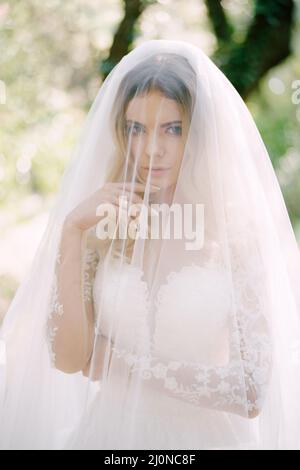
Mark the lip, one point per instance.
(157, 169)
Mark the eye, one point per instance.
(176, 130)
(133, 129)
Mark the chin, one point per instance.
(163, 184)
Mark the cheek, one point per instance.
(133, 146)
(176, 150)
(134, 151)
(136, 146)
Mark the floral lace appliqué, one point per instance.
(91, 259)
(240, 385)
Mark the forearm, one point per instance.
(229, 388)
(71, 325)
(102, 352)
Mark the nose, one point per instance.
(154, 147)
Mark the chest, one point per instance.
(188, 313)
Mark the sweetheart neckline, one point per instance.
(210, 264)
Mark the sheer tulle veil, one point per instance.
(196, 332)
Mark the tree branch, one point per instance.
(124, 35)
(267, 44)
(219, 21)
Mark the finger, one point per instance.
(118, 204)
(137, 186)
(112, 202)
(134, 198)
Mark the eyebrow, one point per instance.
(165, 124)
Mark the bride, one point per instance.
(161, 310)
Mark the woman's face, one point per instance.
(157, 129)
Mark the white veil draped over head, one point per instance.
(191, 334)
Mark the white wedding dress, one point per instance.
(191, 312)
(204, 357)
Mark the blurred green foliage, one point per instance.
(50, 57)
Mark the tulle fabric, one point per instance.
(195, 338)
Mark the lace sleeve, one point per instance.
(239, 386)
(71, 295)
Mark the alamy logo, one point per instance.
(2, 92)
(152, 222)
(296, 94)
